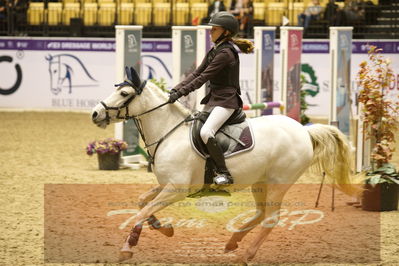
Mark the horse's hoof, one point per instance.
(167, 230)
(230, 247)
(125, 255)
(249, 256)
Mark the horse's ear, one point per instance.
(135, 77)
(128, 73)
(49, 57)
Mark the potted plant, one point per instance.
(380, 121)
(381, 192)
(108, 152)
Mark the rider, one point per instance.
(221, 68)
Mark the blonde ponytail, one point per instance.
(244, 45)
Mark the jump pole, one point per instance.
(264, 106)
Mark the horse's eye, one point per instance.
(124, 94)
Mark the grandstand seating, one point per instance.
(295, 9)
(160, 1)
(156, 16)
(199, 11)
(71, 10)
(142, 14)
(181, 13)
(90, 14)
(191, 2)
(106, 13)
(36, 13)
(54, 14)
(141, 1)
(161, 14)
(274, 13)
(69, 1)
(259, 10)
(125, 14)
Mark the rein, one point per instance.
(159, 141)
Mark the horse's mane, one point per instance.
(180, 107)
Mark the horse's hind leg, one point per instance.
(259, 192)
(274, 199)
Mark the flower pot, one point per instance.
(382, 197)
(108, 161)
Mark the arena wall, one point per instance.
(75, 73)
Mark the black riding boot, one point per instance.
(223, 176)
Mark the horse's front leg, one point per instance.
(168, 195)
(154, 223)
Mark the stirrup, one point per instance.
(223, 179)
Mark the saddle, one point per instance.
(235, 136)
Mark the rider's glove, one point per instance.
(174, 95)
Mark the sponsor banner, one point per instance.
(188, 58)
(204, 44)
(188, 62)
(76, 44)
(247, 78)
(358, 47)
(132, 49)
(75, 80)
(317, 73)
(87, 223)
(343, 84)
(165, 45)
(158, 46)
(267, 68)
(130, 37)
(28, 78)
(33, 44)
(209, 43)
(294, 74)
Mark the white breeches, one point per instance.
(216, 119)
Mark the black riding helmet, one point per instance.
(225, 20)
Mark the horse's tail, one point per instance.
(332, 156)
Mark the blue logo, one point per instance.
(68, 71)
(154, 67)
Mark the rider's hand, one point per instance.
(174, 95)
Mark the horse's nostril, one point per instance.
(94, 115)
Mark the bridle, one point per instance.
(136, 118)
(125, 105)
